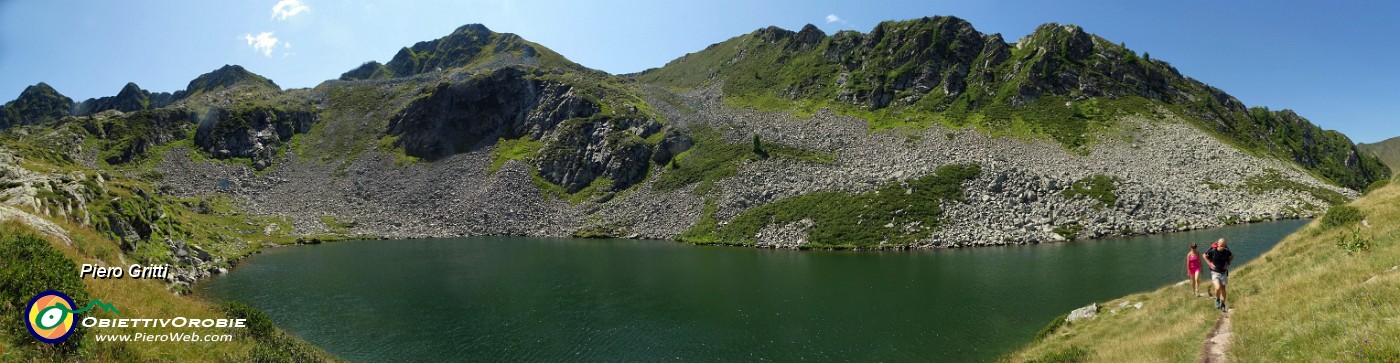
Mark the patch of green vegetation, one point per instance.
(335, 225)
(1272, 180)
(1341, 215)
(521, 149)
(896, 214)
(401, 158)
(601, 230)
(30, 265)
(1354, 243)
(712, 159)
(703, 232)
(599, 187)
(1377, 185)
(1069, 231)
(1051, 327)
(673, 100)
(354, 118)
(1099, 187)
(1070, 354)
(273, 345)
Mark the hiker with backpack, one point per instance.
(1219, 258)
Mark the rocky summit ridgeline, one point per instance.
(920, 133)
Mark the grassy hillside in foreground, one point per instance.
(30, 263)
(1329, 292)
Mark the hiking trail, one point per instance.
(1217, 341)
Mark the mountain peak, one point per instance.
(473, 29)
(227, 76)
(473, 47)
(130, 90)
(36, 104)
(38, 89)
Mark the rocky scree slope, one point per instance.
(776, 138)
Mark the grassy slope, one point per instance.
(1306, 300)
(1388, 150)
(211, 222)
(144, 299)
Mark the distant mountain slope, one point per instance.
(1059, 81)
(130, 98)
(1388, 151)
(471, 46)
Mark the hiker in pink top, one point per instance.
(1193, 269)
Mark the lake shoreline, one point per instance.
(631, 290)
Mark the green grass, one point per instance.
(1341, 215)
(1098, 187)
(353, 120)
(1069, 230)
(521, 149)
(896, 214)
(386, 146)
(336, 226)
(599, 186)
(601, 230)
(30, 265)
(1348, 315)
(712, 159)
(1052, 327)
(44, 263)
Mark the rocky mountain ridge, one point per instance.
(1059, 80)
(471, 46)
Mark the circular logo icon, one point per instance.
(49, 317)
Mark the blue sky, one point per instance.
(1335, 63)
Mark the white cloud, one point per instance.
(832, 18)
(263, 42)
(288, 8)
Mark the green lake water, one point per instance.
(555, 299)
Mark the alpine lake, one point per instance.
(559, 299)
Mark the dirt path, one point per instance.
(1217, 341)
